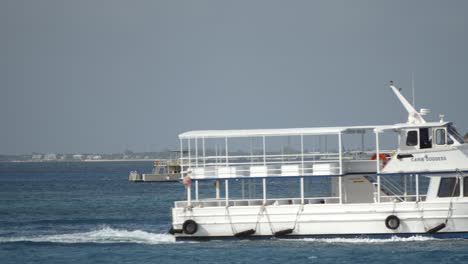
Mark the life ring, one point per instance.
(392, 222)
(190, 227)
(382, 156)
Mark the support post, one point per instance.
(217, 189)
(264, 152)
(196, 152)
(227, 152)
(377, 162)
(189, 155)
(377, 151)
(362, 142)
(302, 155)
(243, 188)
(405, 193)
(196, 190)
(181, 160)
(226, 185)
(264, 190)
(417, 187)
(340, 188)
(340, 153)
(340, 179)
(189, 195)
(302, 190)
(203, 150)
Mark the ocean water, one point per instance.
(90, 213)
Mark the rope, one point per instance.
(230, 221)
(301, 208)
(269, 221)
(259, 216)
(450, 209)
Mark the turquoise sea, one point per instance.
(89, 213)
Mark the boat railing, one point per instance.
(393, 190)
(402, 198)
(274, 164)
(256, 202)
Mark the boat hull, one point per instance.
(324, 221)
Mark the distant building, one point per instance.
(77, 157)
(50, 156)
(36, 156)
(97, 157)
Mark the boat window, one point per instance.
(440, 136)
(424, 138)
(412, 138)
(449, 187)
(465, 187)
(452, 131)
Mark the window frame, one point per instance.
(408, 137)
(436, 138)
(442, 193)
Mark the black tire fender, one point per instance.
(190, 227)
(392, 222)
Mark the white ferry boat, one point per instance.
(326, 182)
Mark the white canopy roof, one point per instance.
(274, 132)
(297, 131)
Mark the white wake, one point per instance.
(370, 240)
(103, 236)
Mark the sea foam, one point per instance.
(364, 240)
(103, 235)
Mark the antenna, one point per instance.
(412, 87)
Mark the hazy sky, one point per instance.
(104, 76)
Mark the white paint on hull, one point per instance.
(320, 219)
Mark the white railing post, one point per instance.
(189, 154)
(405, 193)
(227, 152)
(226, 184)
(340, 180)
(340, 188)
(189, 195)
(203, 150)
(302, 190)
(377, 162)
(302, 154)
(181, 160)
(196, 152)
(417, 187)
(243, 189)
(264, 190)
(264, 152)
(302, 165)
(340, 153)
(196, 190)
